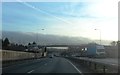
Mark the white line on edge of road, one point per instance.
(75, 67)
(45, 64)
(30, 71)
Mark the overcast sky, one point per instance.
(63, 18)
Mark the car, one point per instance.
(51, 56)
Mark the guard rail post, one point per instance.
(95, 66)
(104, 69)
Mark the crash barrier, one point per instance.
(97, 67)
(9, 56)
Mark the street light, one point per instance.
(44, 47)
(43, 30)
(100, 34)
(37, 40)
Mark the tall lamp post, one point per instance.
(43, 30)
(37, 40)
(100, 34)
(44, 47)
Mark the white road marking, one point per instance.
(75, 67)
(38, 59)
(45, 64)
(114, 64)
(0, 68)
(30, 71)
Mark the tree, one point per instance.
(6, 43)
(2, 41)
(45, 49)
(34, 42)
(26, 47)
(29, 44)
(113, 43)
(118, 43)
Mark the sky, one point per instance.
(76, 19)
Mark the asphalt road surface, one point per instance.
(44, 65)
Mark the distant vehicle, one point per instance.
(57, 56)
(77, 56)
(95, 51)
(51, 56)
(66, 55)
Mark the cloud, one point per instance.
(104, 8)
(25, 38)
(21, 37)
(67, 19)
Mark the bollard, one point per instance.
(95, 66)
(89, 63)
(83, 61)
(103, 69)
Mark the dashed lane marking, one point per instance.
(30, 71)
(45, 64)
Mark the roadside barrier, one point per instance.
(98, 67)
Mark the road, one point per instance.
(44, 65)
